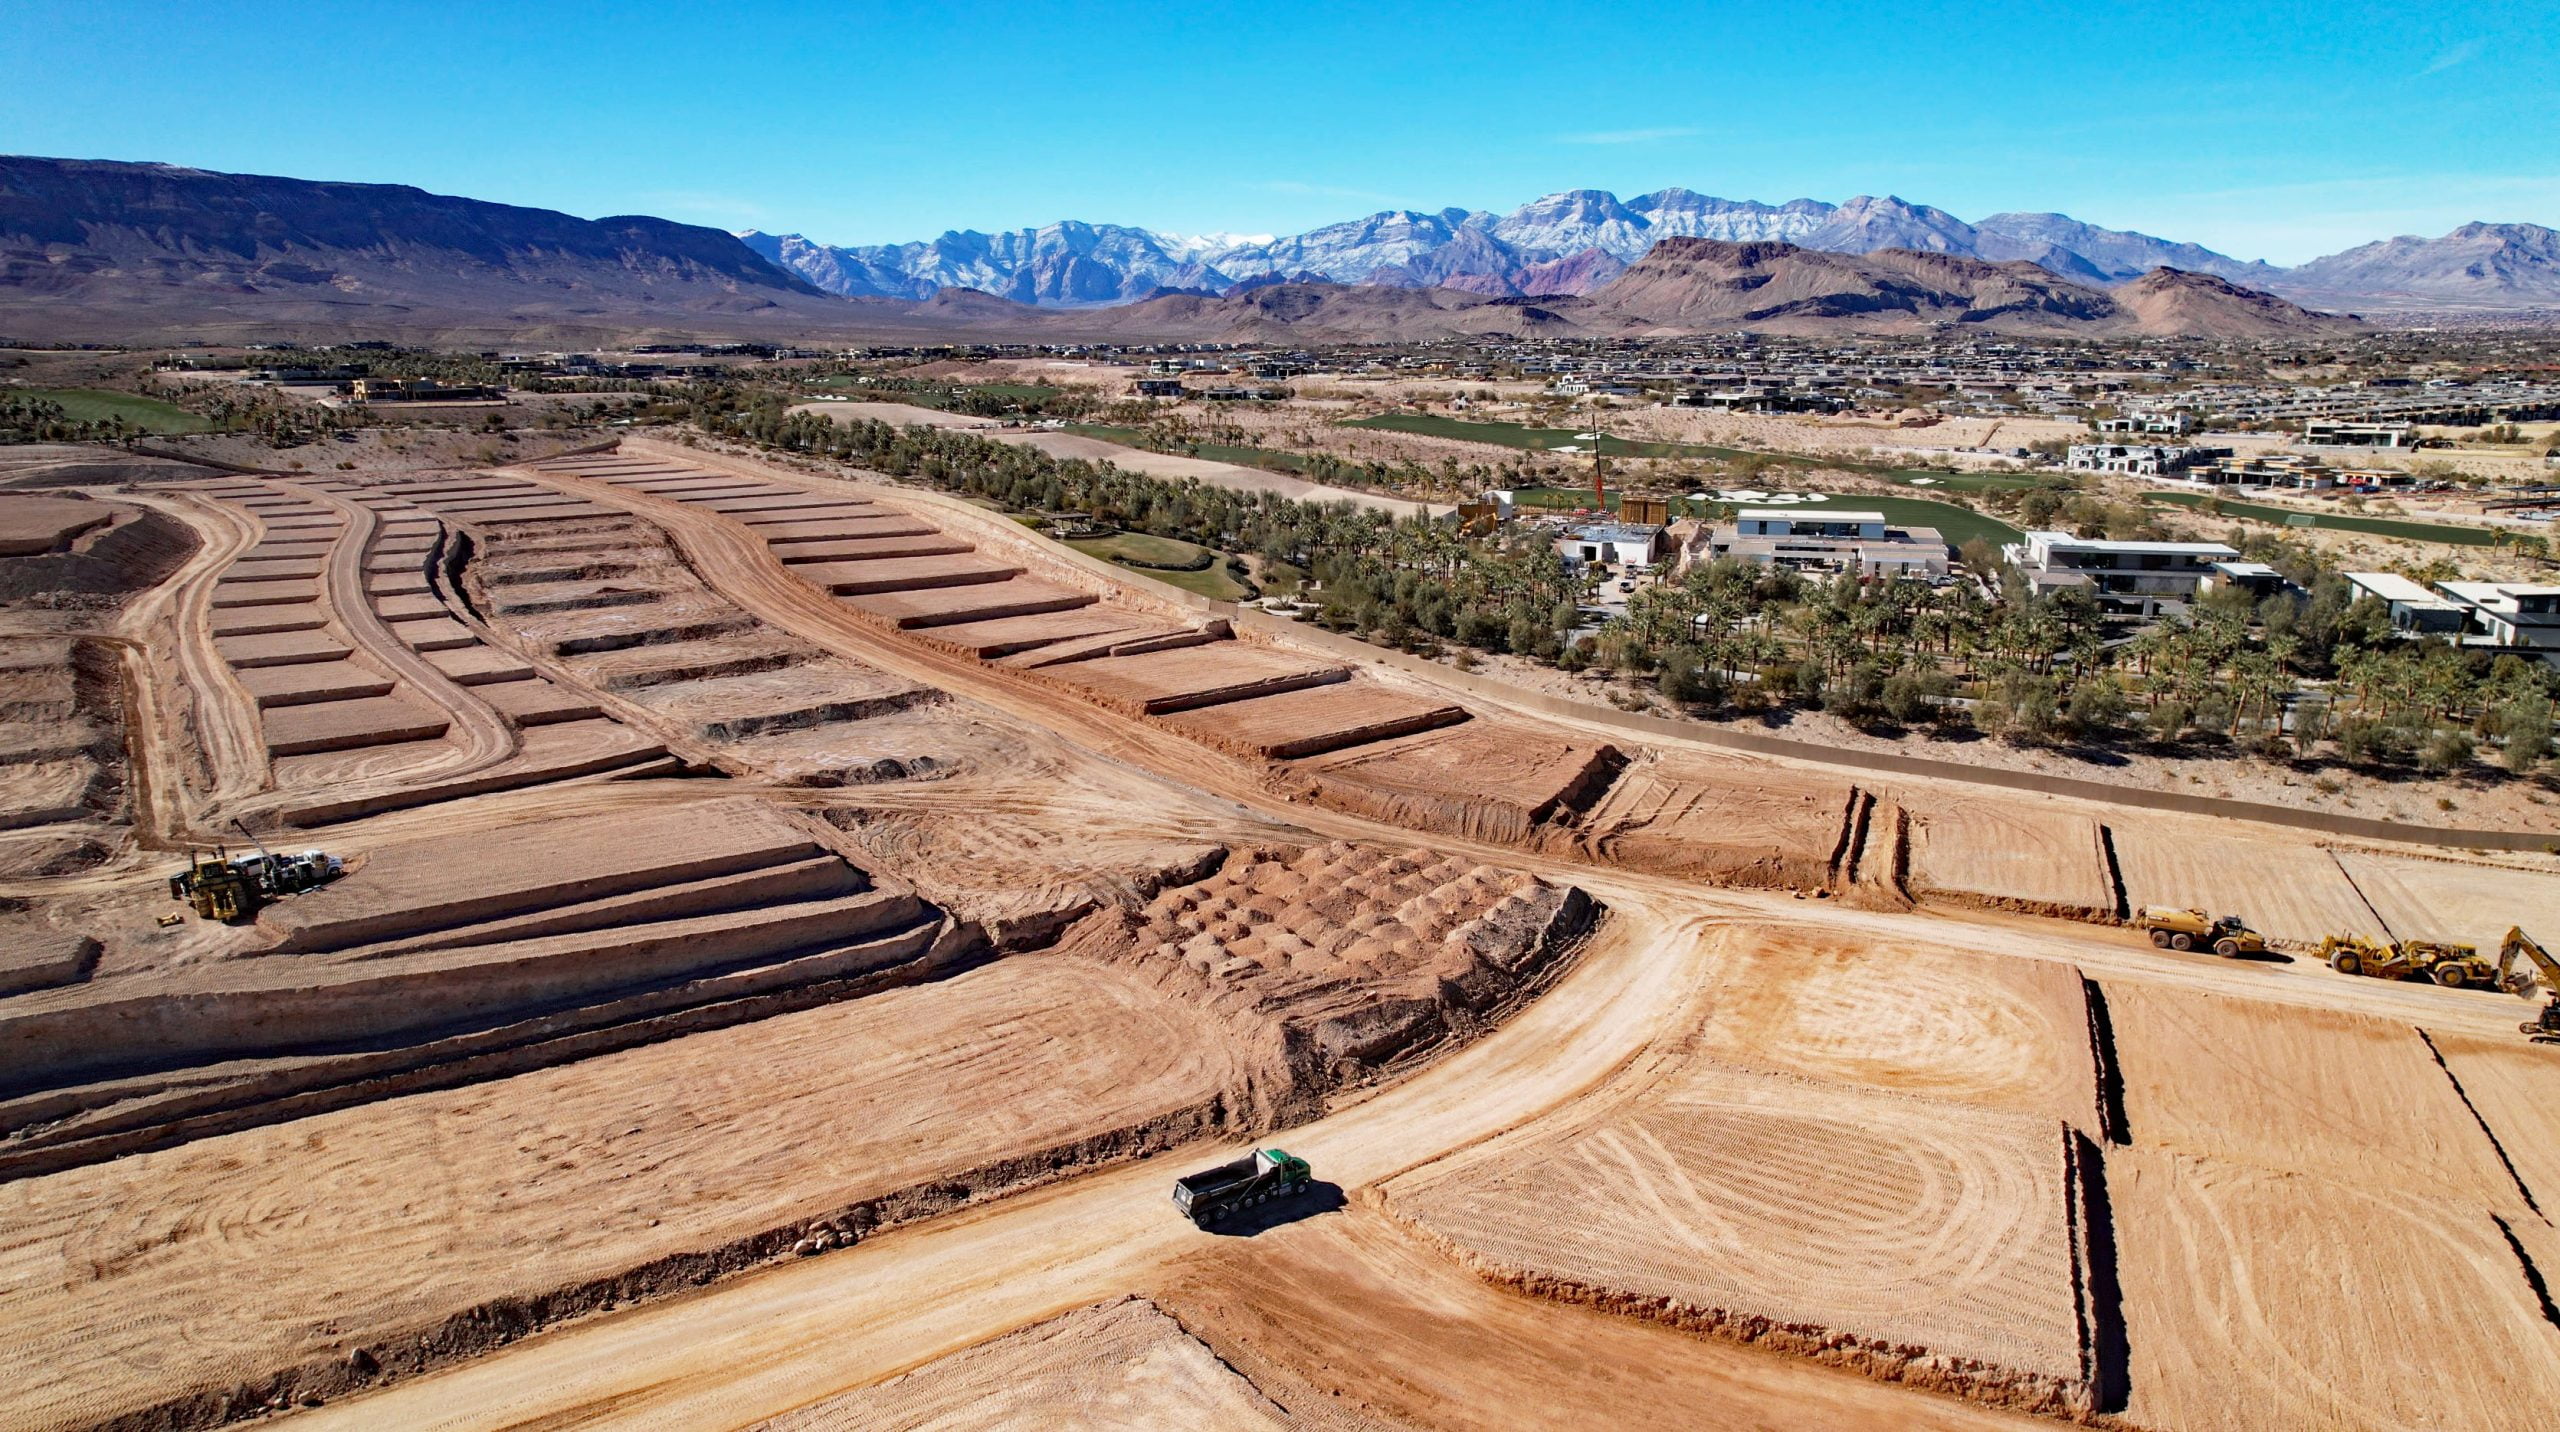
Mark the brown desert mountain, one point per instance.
(1686, 285)
(2199, 305)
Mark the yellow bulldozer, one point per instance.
(2225, 935)
(231, 888)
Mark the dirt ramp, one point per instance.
(1119, 1365)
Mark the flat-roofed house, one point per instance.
(2134, 578)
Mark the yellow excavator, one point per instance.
(2519, 946)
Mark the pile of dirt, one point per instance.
(1342, 960)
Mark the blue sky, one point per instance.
(2275, 131)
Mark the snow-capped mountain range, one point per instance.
(1570, 242)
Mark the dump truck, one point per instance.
(1213, 1195)
(2520, 947)
(233, 888)
(2225, 935)
(2451, 965)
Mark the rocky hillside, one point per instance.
(1686, 285)
(2198, 305)
(96, 250)
(2475, 266)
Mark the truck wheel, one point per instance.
(2182, 941)
(2160, 939)
(2226, 947)
(2346, 963)
(2449, 976)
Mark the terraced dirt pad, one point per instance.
(218, 1262)
(1484, 780)
(1945, 1023)
(2471, 904)
(1731, 822)
(1120, 1365)
(1157, 683)
(2291, 893)
(345, 725)
(2259, 1300)
(2007, 854)
(30, 524)
(2350, 1096)
(943, 606)
(1921, 1242)
(1314, 720)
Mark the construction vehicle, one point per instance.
(1260, 1177)
(232, 888)
(2225, 935)
(2544, 1029)
(2453, 966)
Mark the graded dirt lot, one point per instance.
(2466, 902)
(1485, 780)
(1945, 1023)
(828, 914)
(1729, 821)
(1118, 1365)
(1928, 1243)
(2010, 855)
(2291, 892)
(2351, 1096)
(238, 1257)
(2256, 1298)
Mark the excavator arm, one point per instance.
(2520, 946)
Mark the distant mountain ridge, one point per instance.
(120, 252)
(2489, 265)
(1682, 286)
(100, 249)
(1564, 243)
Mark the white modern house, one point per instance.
(2133, 578)
(1831, 541)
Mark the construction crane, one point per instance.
(2545, 1028)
